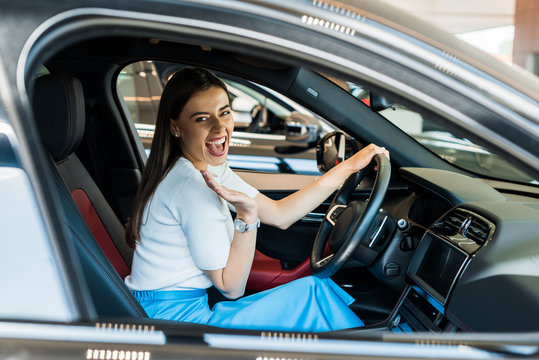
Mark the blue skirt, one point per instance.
(308, 304)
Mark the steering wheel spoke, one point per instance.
(375, 236)
(334, 213)
(324, 261)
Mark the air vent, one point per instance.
(455, 220)
(451, 223)
(478, 231)
(465, 223)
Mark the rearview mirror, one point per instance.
(333, 149)
(378, 102)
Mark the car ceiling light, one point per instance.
(107, 354)
(280, 336)
(314, 21)
(338, 10)
(447, 67)
(125, 327)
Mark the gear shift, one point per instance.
(407, 242)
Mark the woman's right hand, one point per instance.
(246, 208)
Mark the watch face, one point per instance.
(239, 225)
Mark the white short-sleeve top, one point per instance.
(186, 228)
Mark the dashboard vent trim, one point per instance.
(467, 224)
(478, 231)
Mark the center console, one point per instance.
(438, 262)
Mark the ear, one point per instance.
(174, 130)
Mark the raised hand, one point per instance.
(246, 207)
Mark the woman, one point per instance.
(183, 233)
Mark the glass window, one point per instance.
(140, 89)
(454, 149)
(33, 288)
(263, 138)
(37, 290)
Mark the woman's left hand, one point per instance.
(364, 157)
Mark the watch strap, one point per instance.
(253, 226)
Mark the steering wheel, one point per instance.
(345, 225)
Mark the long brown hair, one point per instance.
(165, 148)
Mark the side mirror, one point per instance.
(333, 149)
(300, 127)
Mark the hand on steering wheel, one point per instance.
(347, 223)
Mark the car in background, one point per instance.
(439, 251)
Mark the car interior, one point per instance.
(446, 241)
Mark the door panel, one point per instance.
(290, 246)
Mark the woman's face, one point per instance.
(204, 127)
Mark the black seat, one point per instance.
(60, 117)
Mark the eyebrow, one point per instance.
(207, 113)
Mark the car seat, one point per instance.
(259, 115)
(97, 234)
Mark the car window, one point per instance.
(266, 134)
(436, 137)
(140, 89)
(33, 288)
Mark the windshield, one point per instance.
(456, 150)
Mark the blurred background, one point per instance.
(506, 29)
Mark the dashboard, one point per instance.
(476, 266)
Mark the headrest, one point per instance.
(59, 113)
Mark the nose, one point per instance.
(218, 123)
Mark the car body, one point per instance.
(456, 278)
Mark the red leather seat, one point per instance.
(60, 111)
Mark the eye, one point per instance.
(201, 118)
(225, 113)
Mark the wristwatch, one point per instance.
(242, 227)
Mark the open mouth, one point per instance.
(216, 146)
